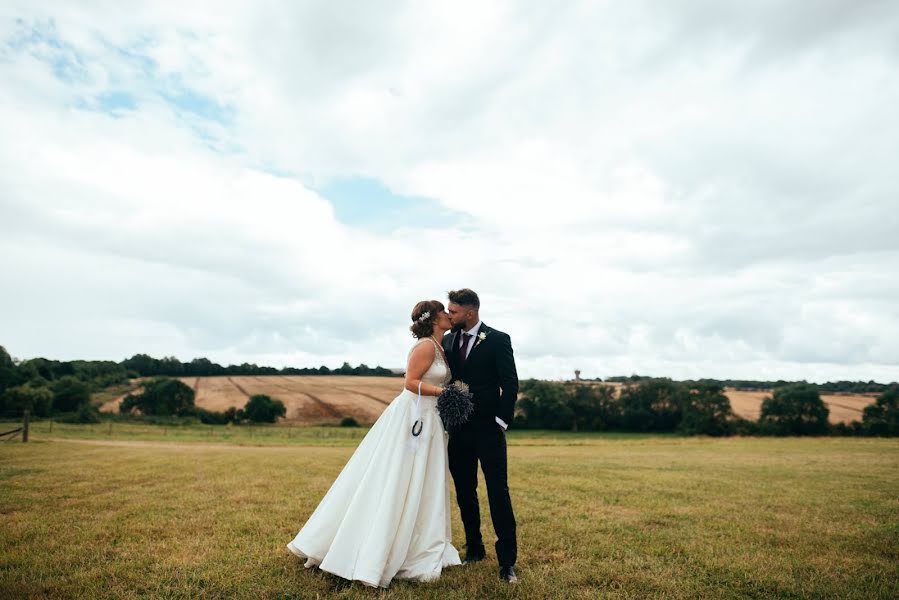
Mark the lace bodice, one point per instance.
(439, 372)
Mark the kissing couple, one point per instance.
(387, 514)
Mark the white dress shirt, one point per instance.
(473, 332)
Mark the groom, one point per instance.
(482, 358)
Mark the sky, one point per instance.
(688, 188)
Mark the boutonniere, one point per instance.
(481, 337)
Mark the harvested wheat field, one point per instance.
(328, 398)
(843, 408)
(309, 399)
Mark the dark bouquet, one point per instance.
(454, 405)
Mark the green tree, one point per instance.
(69, 393)
(653, 405)
(795, 409)
(142, 364)
(543, 405)
(594, 407)
(882, 417)
(87, 413)
(36, 399)
(264, 409)
(5, 358)
(161, 396)
(345, 369)
(706, 411)
(8, 374)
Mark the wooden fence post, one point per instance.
(25, 428)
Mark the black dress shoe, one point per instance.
(508, 574)
(475, 554)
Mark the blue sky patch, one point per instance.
(186, 100)
(368, 204)
(42, 41)
(115, 101)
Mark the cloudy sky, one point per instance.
(687, 189)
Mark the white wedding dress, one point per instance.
(388, 512)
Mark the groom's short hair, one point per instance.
(465, 297)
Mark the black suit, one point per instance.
(490, 374)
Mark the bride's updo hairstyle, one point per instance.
(423, 326)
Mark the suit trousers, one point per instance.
(484, 442)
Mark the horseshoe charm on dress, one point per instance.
(420, 425)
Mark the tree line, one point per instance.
(830, 387)
(142, 365)
(651, 405)
(663, 405)
(63, 388)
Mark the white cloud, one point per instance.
(688, 190)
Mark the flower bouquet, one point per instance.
(455, 405)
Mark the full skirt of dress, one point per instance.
(388, 512)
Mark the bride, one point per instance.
(388, 512)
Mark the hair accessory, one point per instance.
(424, 315)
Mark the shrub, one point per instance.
(741, 426)
(161, 396)
(263, 409)
(208, 417)
(233, 415)
(795, 409)
(846, 429)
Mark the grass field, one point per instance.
(327, 398)
(122, 514)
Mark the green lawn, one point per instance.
(599, 516)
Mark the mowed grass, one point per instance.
(254, 435)
(598, 516)
(270, 435)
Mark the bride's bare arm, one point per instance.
(419, 363)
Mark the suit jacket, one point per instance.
(489, 372)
